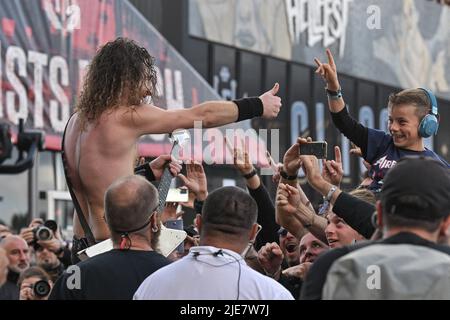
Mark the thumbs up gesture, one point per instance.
(271, 102)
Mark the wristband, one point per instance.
(334, 95)
(146, 171)
(330, 193)
(273, 275)
(284, 175)
(249, 175)
(249, 108)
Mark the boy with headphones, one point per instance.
(413, 115)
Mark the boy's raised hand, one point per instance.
(328, 72)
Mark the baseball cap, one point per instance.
(417, 188)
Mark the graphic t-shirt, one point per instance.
(382, 154)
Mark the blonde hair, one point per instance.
(365, 195)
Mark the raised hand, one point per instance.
(328, 71)
(270, 257)
(288, 198)
(271, 102)
(195, 180)
(291, 160)
(356, 151)
(332, 170)
(241, 159)
(312, 171)
(159, 164)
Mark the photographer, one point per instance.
(34, 284)
(46, 236)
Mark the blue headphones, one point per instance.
(430, 123)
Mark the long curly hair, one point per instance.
(121, 74)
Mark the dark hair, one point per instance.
(33, 272)
(115, 77)
(416, 97)
(230, 211)
(129, 203)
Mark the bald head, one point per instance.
(129, 203)
(3, 266)
(17, 252)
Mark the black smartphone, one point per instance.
(316, 148)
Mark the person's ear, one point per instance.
(444, 229)
(198, 222)
(253, 232)
(379, 215)
(154, 226)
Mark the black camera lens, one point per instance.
(41, 288)
(43, 233)
(51, 224)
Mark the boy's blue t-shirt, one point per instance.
(382, 154)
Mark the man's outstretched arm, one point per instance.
(149, 119)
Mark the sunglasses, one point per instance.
(282, 232)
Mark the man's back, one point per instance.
(390, 272)
(112, 275)
(214, 274)
(96, 157)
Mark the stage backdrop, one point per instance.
(46, 46)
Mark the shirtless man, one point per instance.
(100, 142)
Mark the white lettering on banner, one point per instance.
(159, 83)
(384, 117)
(173, 102)
(324, 20)
(13, 54)
(65, 16)
(39, 60)
(58, 63)
(82, 65)
(14, 103)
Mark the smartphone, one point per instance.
(177, 195)
(316, 148)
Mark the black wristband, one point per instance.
(146, 171)
(249, 108)
(284, 175)
(249, 175)
(198, 206)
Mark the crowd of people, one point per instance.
(388, 238)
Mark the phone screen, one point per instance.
(318, 149)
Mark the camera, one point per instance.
(41, 288)
(45, 231)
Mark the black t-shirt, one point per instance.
(112, 275)
(317, 275)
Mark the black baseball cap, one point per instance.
(417, 188)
